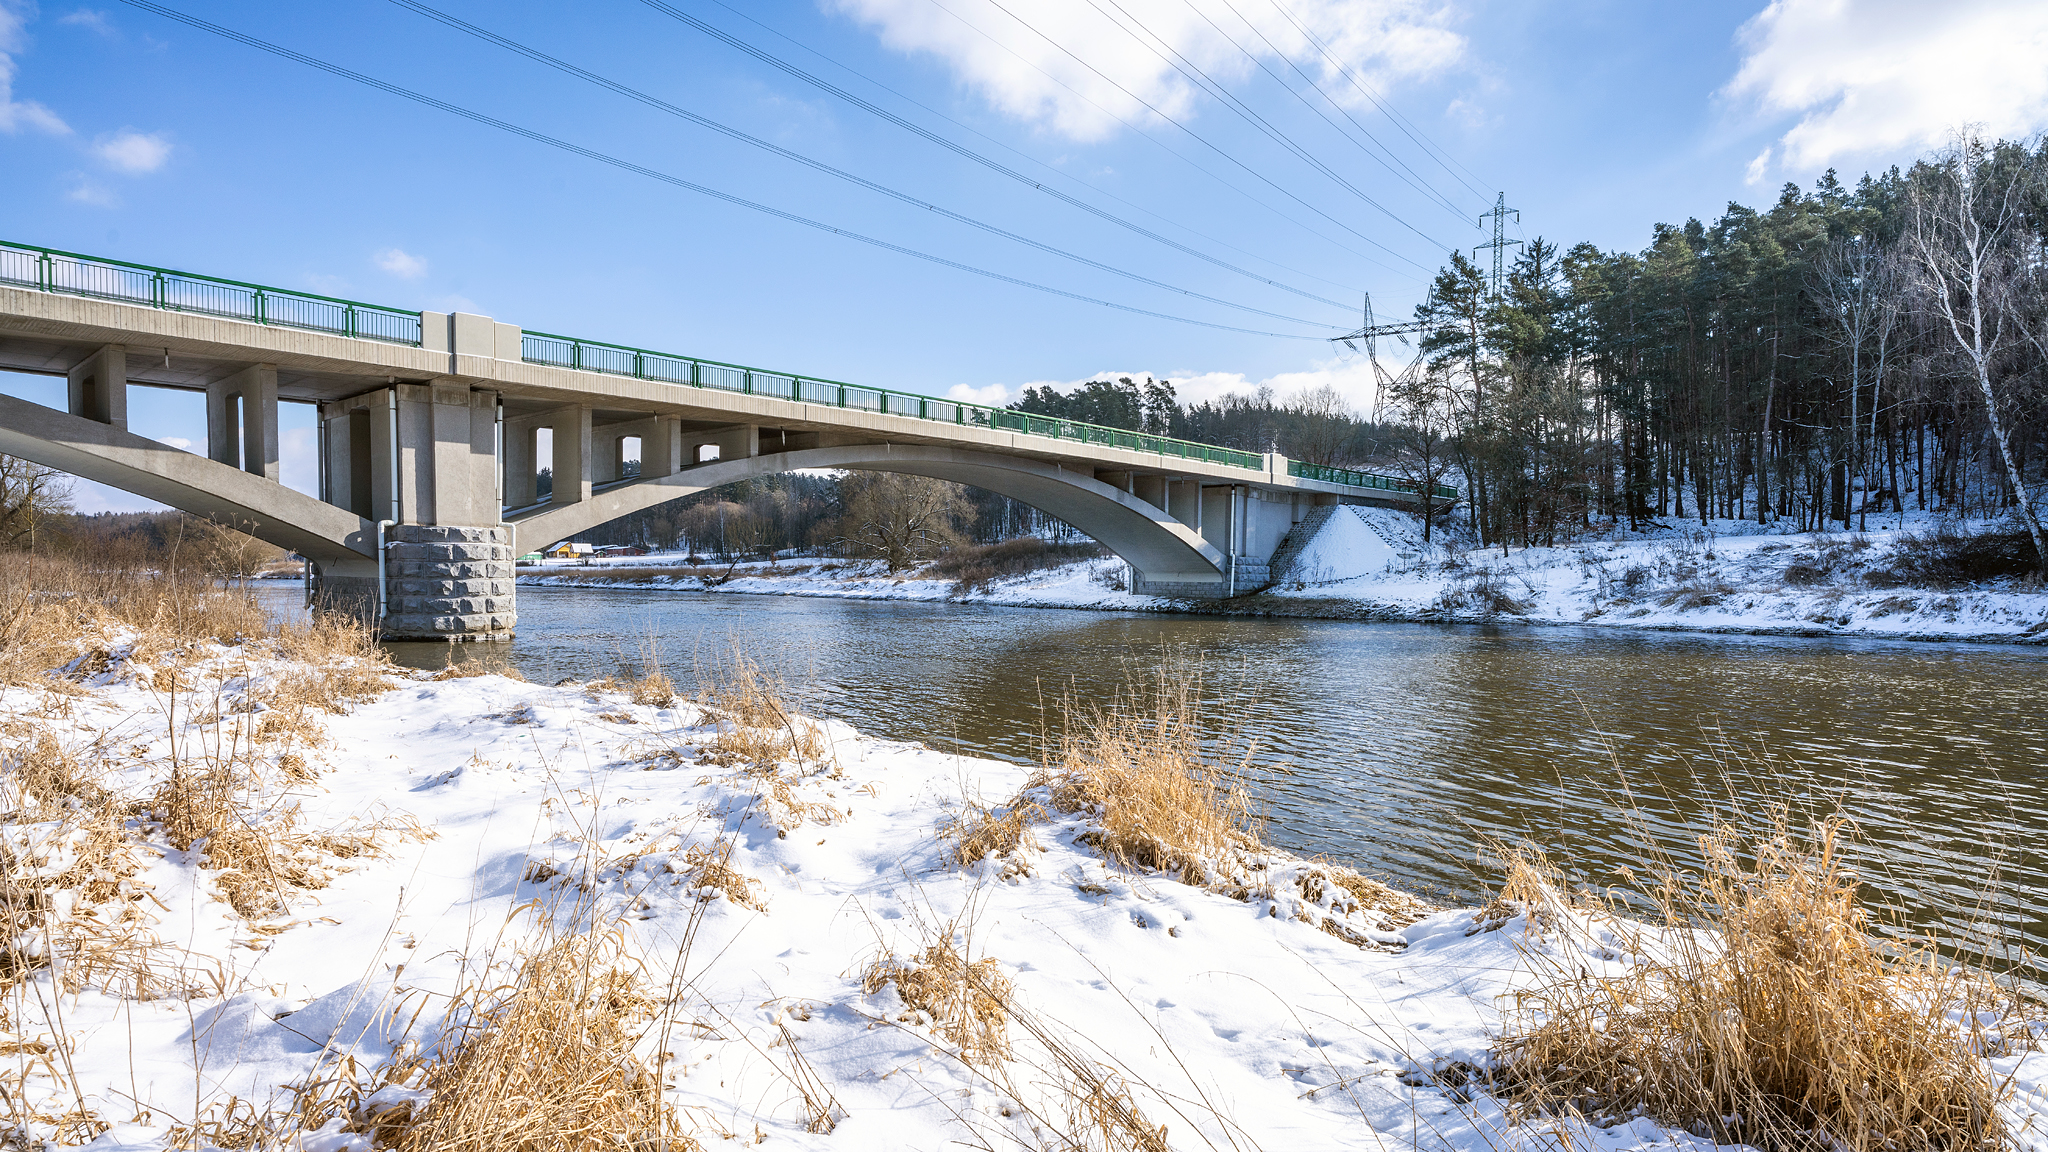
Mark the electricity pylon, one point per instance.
(1500, 244)
(1370, 333)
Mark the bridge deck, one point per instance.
(187, 331)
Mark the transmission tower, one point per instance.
(1370, 333)
(1500, 244)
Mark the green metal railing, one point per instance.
(1362, 479)
(51, 270)
(623, 360)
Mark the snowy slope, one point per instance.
(505, 811)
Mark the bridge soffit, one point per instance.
(1136, 530)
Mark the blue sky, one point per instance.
(125, 133)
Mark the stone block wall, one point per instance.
(448, 583)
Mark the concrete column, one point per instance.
(98, 386)
(661, 447)
(250, 394)
(1151, 489)
(572, 453)
(1215, 521)
(520, 464)
(463, 456)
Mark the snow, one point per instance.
(1371, 563)
(506, 806)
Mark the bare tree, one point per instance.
(1962, 235)
(29, 495)
(904, 520)
(1428, 406)
(1321, 425)
(228, 553)
(1855, 283)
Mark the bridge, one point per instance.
(429, 440)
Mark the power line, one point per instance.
(658, 104)
(1030, 159)
(638, 169)
(1176, 154)
(1429, 147)
(1180, 63)
(1389, 161)
(1262, 177)
(959, 149)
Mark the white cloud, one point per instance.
(88, 18)
(1352, 378)
(401, 263)
(133, 152)
(16, 115)
(179, 442)
(1022, 74)
(84, 191)
(1870, 77)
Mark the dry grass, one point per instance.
(1771, 1015)
(755, 724)
(712, 868)
(965, 1001)
(1161, 798)
(982, 831)
(52, 608)
(547, 1064)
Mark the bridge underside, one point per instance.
(442, 444)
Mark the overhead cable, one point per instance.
(1390, 161)
(1156, 111)
(1180, 63)
(1430, 148)
(654, 174)
(959, 149)
(1030, 159)
(819, 82)
(661, 105)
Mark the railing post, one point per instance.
(696, 374)
(747, 381)
(256, 304)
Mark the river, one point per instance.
(1401, 748)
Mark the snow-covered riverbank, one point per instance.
(1727, 576)
(378, 876)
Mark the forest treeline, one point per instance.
(1843, 351)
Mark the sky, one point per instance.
(1236, 175)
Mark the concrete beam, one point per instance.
(241, 421)
(339, 541)
(98, 386)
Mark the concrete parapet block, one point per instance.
(450, 583)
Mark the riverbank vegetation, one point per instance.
(264, 890)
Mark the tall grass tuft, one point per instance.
(1767, 1013)
(1162, 798)
(548, 1064)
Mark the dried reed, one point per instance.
(1769, 1013)
(965, 1001)
(1161, 798)
(548, 1063)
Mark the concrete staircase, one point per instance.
(1280, 567)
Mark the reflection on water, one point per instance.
(1405, 746)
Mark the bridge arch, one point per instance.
(1159, 547)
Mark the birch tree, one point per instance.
(1962, 236)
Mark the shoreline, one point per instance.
(1262, 605)
(255, 862)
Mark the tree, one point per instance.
(29, 495)
(903, 520)
(1963, 239)
(1428, 407)
(229, 554)
(1855, 283)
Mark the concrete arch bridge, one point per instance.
(430, 440)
